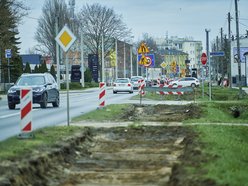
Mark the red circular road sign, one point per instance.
(149, 61)
(204, 58)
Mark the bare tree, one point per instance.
(46, 33)
(97, 21)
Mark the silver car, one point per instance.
(135, 81)
(185, 82)
(122, 85)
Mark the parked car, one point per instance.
(44, 89)
(135, 81)
(185, 82)
(122, 85)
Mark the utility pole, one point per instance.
(116, 58)
(103, 74)
(238, 48)
(131, 60)
(222, 60)
(82, 58)
(229, 60)
(124, 60)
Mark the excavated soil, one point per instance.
(117, 156)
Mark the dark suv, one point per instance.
(44, 88)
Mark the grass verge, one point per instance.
(46, 137)
(226, 151)
(111, 112)
(221, 112)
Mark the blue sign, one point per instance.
(8, 53)
(151, 56)
(221, 53)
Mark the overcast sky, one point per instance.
(182, 18)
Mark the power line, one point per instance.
(31, 17)
(243, 24)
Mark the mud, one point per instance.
(135, 155)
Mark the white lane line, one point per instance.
(14, 114)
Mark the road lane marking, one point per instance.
(14, 114)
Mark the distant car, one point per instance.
(122, 85)
(135, 81)
(44, 89)
(185, 82)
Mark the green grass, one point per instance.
(220, 112)
(217, 94)
(14, 147)
(111, 112)
(228, 147)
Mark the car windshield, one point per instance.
(136, 78)
(31, 80)
(122, 81)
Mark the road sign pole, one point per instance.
(67, 88)
(65, 39)
(202, 83)
(8, 71)
(209, 63)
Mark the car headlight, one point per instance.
(10, 91)
(39, 89)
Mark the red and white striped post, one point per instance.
(102, 94)
(141, 87)
(26, 97)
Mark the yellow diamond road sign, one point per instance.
(65, 38)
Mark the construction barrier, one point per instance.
(102, 94)
(171, 90)
(26, 97)
(141, 87)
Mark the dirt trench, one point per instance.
(116, 156)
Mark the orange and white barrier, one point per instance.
(141, 87)
(170, 92)
(102, 94)
(26, 110)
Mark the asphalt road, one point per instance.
(80, 102)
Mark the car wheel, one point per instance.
(11, 106)
(114, 92)
(56, 103)
(44, 101)
(193, 85)
(130, 92)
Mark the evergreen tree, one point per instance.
(27, 68)
(36, 69)
(11, 12)
(87, 75)
(43, 67)
(17, 68)
(53, 72)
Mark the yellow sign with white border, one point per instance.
(65, 38)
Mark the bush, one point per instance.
(78, 86)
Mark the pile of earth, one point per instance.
(161, 113)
